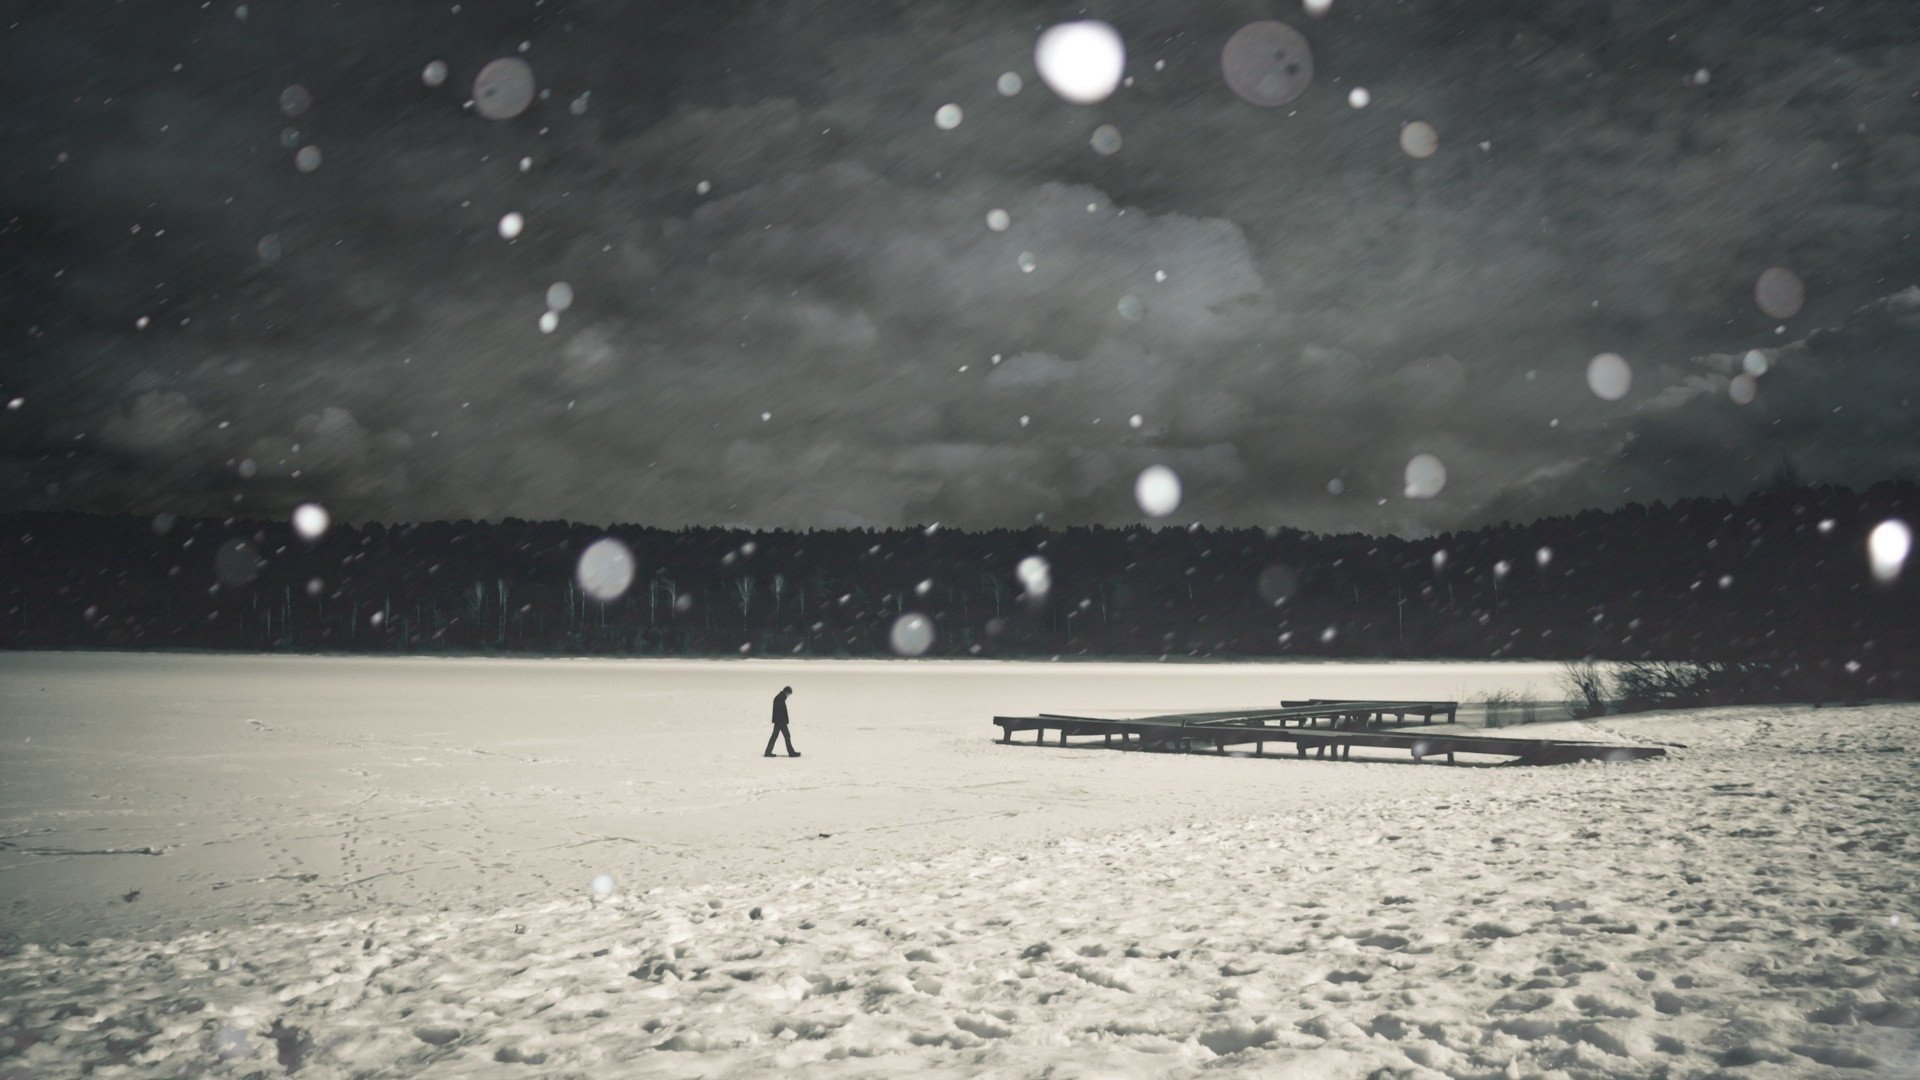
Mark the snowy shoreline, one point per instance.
(1744, 906)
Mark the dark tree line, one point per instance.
(1779, 578)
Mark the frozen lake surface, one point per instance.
(380, 867)
(488, 781)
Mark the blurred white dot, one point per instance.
(1543, 556)
(1106, 140)
(16, 404)
(141, 323)
(1754, 363)
(1267, 63)
(1780, 293)
(315, 586)
(1336, 486)
(526, 164)
(1157, 490)
(1359, 98)
(911, 635)
(1426, 476)
(998, 220)
(1317, 8)
(1502, 568)
(503, 89)
(947, 117)
(434, 73)
(578, 106)
(1025, 420)
(559, 296)
(310, 520)
(1609, 376)
(269, 248)
(1440, 559)
(703, 187)
(765, 416)
(1027, 262)
(308, 159)
(1726, 581)
(605, 569)
(1702, 77)
(1328, 635)
(1159, 275)
(1135, 420)
(1130, 308)
(295, 100)
(1826, 525)
(1743, 388)
(549, 321)
(602, 884)
(510, 225)
(1081, 61)
(1887, 549)
(1419, 139)
(926, 585)
(1036, 577)
(1010, 83)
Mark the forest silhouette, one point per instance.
(1778, 580)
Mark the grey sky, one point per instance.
(1330, 307)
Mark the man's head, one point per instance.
(785, 690)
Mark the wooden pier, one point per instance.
(1298, 723)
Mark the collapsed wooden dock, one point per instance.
(1299, 723)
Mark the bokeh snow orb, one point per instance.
(269, 248)
(1131, 308)
(1081, 61)
(1887, 548)
(1106, 140)
(947, 117)
(1036, 577)
(1743, 388)
(1543, 556)
(1754, 363)
(1426, 476)
(602, 885)
(1609, 376)
(310, 520)
(503, 89)
(308, 159)
(434, 73)
(235, 563)
(1317, 8)
(1780, 293)
(1010, 83)
(549, 321)
(1419, 140)
(999, 220)
(1276, 583)
(559, 296)
(1027, 262)
(1157, 490)
(1267, 63)
(295, 100)
(912, 634)
(1359, 98)
(1135, 421)
(605, 570)
(510, 225)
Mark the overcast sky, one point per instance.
(787, 299)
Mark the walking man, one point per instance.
(780, 724)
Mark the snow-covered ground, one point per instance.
(382, 868)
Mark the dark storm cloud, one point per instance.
(1282, 296)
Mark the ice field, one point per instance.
(382, 867)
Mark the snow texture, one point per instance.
(382, 868)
